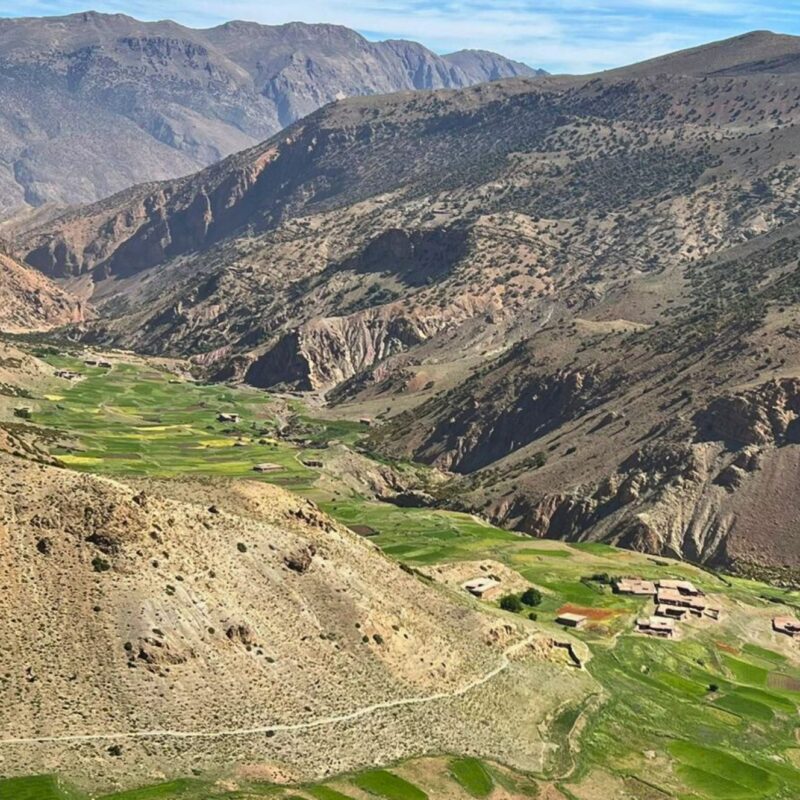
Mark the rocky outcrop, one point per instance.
(647, 473)
(415, 257)
(767, 414)
(726, 499)
(300, 560)
(146, 226)
(30, 302)
(481, 427)
(325, 352)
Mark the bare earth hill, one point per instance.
(147, 632)
(578, 294)
(92, 103)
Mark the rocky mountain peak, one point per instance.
(146, 101)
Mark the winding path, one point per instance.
(299, 726)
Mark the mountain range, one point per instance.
(92, 103)
(576, 295)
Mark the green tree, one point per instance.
(531, 597)
(510, 602)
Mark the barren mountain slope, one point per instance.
(573, 235)
(678, 438)
(91, 103)
(144, 610)
(758, 51)
(31, 302)
(377, 225)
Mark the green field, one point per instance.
(472, 774)
(37, 787)
(386, 784)
(133, 420)
(717, 708)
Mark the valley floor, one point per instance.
(711, 715)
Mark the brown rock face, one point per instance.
(30, 302)
(325, 352)
(509, 414)
(149, 101)
(153, 223)
(769, 414)
(300, 560)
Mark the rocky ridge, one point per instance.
(556, 280)
(92, 103)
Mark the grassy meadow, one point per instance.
(712, 715)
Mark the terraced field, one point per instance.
(455, 778)
(138, 420)
(712, 715)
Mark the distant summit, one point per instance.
(750, 53)
(93, 103)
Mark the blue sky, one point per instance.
(559, 35)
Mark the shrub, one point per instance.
(531, 597)
(510, 602)
(100, 564)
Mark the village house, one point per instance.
(673, 597)
(656, 626)
(671, 612)
(686, 588)
(484, 588)
(233, 418)
(267, 467)
(571, 620)
(695, 605)
(635, 586)
(788, 625)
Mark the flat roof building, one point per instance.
(788, 625)
(481, 587)
(695, 605)
(656, 626)
(675, 598)
(267, 467)
(635, 586)
(671, 612)
(684, 587)
(571, 620)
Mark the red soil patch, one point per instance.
(589, 613)
(727, 648)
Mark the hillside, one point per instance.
(151, 558)
(224, 623)
(92, 103)
(559, 281)
(31, 302)
(752, 53)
